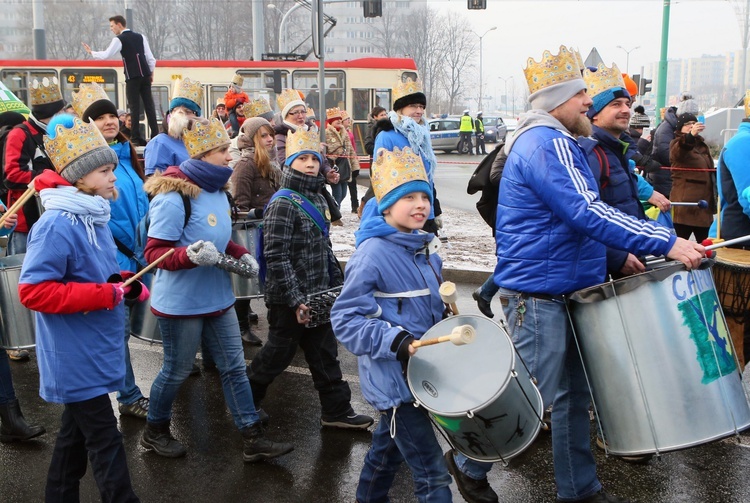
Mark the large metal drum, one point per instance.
(143, 323)
(247, 233)
(732, 275)
(660, 360)
(17, 324)
(480, 394)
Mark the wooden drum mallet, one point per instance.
(449, 295)
(464, 334)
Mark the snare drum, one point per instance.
(660, 360)
(17, 324)
(149, 328)
(732, 276)
(247, 233)
(480, 394)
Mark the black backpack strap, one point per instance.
(603, 165)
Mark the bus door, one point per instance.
(18, 80)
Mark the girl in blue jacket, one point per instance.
(390, 297)
(71, 278)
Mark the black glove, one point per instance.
(258, 213)
(400, 345)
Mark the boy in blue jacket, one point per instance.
(390, 297)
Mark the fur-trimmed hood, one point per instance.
(172, 180)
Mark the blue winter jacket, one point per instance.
(552, 228)
(128, 209)
(734, 185)
(389, 287)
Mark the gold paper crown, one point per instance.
(333, 113)
(255, 108)
(87, 95)
(70, 144)
(406, 88)
(300, 141)
(189, 89)
(287, 96)
(202, 137)
(747, 103)
(238, 80)
(602, 79)
(552, 70)
(344, 115)
(46, 91)
(395, 168)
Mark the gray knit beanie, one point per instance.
(687, 105)
(88, 162)
(248, 130)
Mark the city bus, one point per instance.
(356, 85)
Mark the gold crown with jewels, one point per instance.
(553, 69)
(747, 103)
(45, 91)
(87, 95)
(287, 96)
(333, 113)
(238, 80)
(189, 89)
(300, 141)
(405, 88)
(393, 168)
(70, 144)
(200, 137)
(602, 79)
(255, 108)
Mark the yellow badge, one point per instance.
(212, 220)
(328, 215)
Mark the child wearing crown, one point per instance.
(235, 97)
(193, 301)
(71, 278)
(390, 297)
(300, 263)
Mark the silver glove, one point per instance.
(203, 253)
(250, 261)
(439, 221)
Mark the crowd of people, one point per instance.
(570, 180)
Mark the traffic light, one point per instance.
(637, 79)
(645, 86)
(477, 4)
(373, 8)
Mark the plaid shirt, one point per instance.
(298, 256)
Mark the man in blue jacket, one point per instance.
(552, 232)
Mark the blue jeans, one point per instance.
(17, 243)
(130, 392)
(544, 340)
(489, 289)
(339, 191)
(414, 443)
(181, 338)
(7, 393)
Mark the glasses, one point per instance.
(416, 105)
(298, 112)
(690, 124)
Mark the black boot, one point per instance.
(257, 447)
(250, 337)
(158, 438)
(252, 316)
(14, 427)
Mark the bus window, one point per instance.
(383, 98)
(72, 79)
(408, 75)
(335, 91)
(215, 93)
(361, 100)
(261, 84)
(17, 80)
(161, 101)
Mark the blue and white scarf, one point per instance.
(77, 205)
(418, 136)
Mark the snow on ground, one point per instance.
(469, 239)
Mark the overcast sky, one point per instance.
(526, 28)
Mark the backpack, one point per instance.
(3, 138)
(480, 180)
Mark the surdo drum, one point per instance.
(732, 276)
(480, 394)
(17, 324)
(660, 361)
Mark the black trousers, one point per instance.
(136, 90)
(89, 433)
(465, 139)
(480, 144)
(353, 190)
(321, 353)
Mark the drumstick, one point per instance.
(464, 334)
(700, 204)
(449, 295)
(15, 207)
(650, 259)
(146, 269)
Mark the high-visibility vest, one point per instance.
(466, 124)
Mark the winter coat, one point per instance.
(339, 145)
(299, 257)
(688, 151)
(24, 158)
(734, 170)
(162, 152)
(549, 213)
(250, 190)
(663, 136)
(390, 287)
(232, 99)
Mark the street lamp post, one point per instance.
(627, 58)
(481, 76)
(284, 18)
(505, 83)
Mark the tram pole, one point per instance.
(40, 44)
(259, 34)
(319, 48)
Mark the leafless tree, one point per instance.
(210, 30)
(152, 19)
(387, 31)
(66, 28)
(458, 58)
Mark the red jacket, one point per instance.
(232, 99)
(25, 158)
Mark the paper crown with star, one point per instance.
(255, 108)
(602, 79)
(396, 173)
(407, 87)
(289, 97)
(76, 148)
(553, 69)
(91, 101)
(238, 80)
(188, 89)
(42, 92)
(200, 137)
(333, 113)
(302, 141)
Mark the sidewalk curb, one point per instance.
(470, 276)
